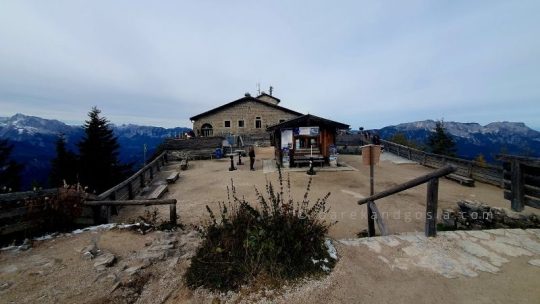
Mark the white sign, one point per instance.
(309, 131)
(286, 138)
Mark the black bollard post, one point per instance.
(232, 168)
(239, 159)
(311, 171)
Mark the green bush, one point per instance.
(279, 239)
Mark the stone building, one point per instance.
(247, 116)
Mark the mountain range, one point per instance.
(473, 139)
(34, 140)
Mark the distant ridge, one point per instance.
(34, 142)
(473, 139)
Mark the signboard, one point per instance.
(307, 131)
(366, 154)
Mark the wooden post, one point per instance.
(469, 169)
(409, 150)
(130, 190)
(172, 210)
(518, 203)
(431, 207)
(425, 159)
(151, 172)
(380, 220)
(141, 179)
(371, 221)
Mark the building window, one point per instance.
(240, 123)
(258, 123)
(227, 123)
(206, 130)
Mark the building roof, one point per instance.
(308, 120)
(245, 99)
(263, 94)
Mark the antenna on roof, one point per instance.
(258, 88)
(271, 90)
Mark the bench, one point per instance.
(173, 177)
(158, 192)
(466, 181)
(183, 164)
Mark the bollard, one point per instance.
(232, 168)
(239, 158)
(311, 171)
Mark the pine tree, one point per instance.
(440, 142)
(10, 171)
(401, 139)
(100, 168)
(64, 166)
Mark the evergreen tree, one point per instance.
(440, 142)
(64, 166)
(10, 171)
(401, 139)
(100, 168)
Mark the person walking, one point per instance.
(251, 158)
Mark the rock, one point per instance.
(5, 285)
(105, 259)
(27, 244)
(136, 268)
(449, 218)
(89, 252)
(535, 263)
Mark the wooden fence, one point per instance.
(27, 212)
(483, 172)
(521, 181)
(129, 188)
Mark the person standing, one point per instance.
(251, 158)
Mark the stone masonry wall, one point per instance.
(247, 111)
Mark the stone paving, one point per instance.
(455, 254)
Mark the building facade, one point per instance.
(245, 116)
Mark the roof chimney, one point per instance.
(247, 94)
(271, 89)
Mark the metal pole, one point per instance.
(371, 221)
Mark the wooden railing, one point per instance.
(28, 213)
(129, 188)
(483, 172)
(521, 181)
(431, 201)
(170, 202)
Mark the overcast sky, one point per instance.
(364, 63)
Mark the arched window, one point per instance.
(206, 130)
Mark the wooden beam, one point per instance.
(379, 219)
(407, 185)
(131, 202)
(529, 161)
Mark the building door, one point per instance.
(206, 130)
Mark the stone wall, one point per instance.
(473, 215)
(248, 112)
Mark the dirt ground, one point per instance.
(206, 182)
(55, 270)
